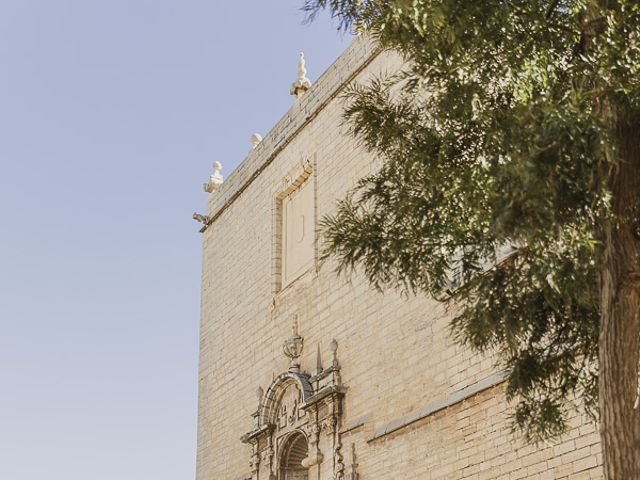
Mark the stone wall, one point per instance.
(416, 405)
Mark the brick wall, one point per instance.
(416, 406)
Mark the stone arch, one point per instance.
(276, 389)
(293, 457)
(291, 417)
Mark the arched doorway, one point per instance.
(295, 450)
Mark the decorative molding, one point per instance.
(269, 408)
(353, 468)
(295, 177)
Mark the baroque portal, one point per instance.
(296, 426)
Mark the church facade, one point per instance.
(308, 375)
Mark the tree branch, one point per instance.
(552, 8)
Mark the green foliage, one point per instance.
(498, 133)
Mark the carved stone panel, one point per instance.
(288, 411)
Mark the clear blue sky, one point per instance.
(111, 113)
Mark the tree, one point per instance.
(515, 124)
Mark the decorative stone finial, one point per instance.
(256, 138)
(334, 352)
(215, 179)
(302, 83)
(293, 347)
(259, 394)
(318, 361)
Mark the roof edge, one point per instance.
(357, 56)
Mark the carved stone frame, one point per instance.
(303, 171)
(297, 401)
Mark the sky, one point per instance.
(111, 113)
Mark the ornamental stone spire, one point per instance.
(215, 179)
(302, 83)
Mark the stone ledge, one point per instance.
(356, 423)
(437, 405)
